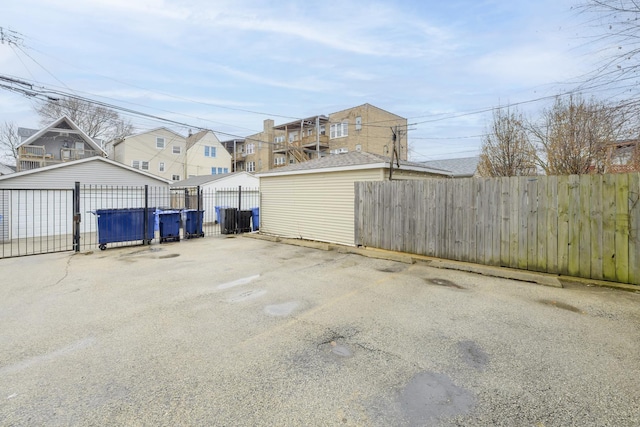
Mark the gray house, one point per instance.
(464, 167)
(61, 141)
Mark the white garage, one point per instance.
(314, 200)
(39, 202)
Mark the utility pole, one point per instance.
(394, 151)
(318, 136)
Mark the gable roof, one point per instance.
(85, 160)
(151, 131)
(195, 181)
(71, 125)
(6, 169)
(367, 105)
(462, 167)
(350, 161)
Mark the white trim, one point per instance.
(353, 168)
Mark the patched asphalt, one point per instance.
(243, 332)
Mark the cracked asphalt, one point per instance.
(244, 332)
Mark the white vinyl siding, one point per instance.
(94, 172)
(314, 206)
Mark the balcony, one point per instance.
(311, 143)
(36, 156)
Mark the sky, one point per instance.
(229, 65)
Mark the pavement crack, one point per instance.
(66, 273)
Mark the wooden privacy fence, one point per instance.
(583, 226)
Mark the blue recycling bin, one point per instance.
(169, 225)
(218, 208)
(255, 218)
(124, 225)
(193, 223)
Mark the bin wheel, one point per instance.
(102, 247)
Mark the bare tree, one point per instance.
(9, 141)
(616, 25)
(506, 150)
(96, 121)
(574, 134)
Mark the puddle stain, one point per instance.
(341, 350)
(283, 309)
(248, 295)
(473, 355)
(444, 282)
(430, 395)
(392, 269)
(561, 305)
(238, 282)
(168, 256)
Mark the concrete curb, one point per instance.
(544, 279)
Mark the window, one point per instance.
(209, 151)
(358, 123)
(278, 139)
(339, 130)
(322, 130)
(161, 167)
(250, 148)
(176, 149)
(358, 147)
(251, 166)
(293, 136)
(135, 164)
(279, 161)
(175, 177)
(309, 132)
(213, 171)
(159, 143)
(145, 166)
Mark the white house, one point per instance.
(206, 155)
(235, 190)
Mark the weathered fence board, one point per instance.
(634, 225)
(608, 228)
(585, 226)
(622, 228)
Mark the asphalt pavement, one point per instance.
(243, 332)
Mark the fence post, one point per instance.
(238, 215)
(186, 198)
(145, 220)
(76, 217)
(198, 205)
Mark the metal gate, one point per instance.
(36, 221)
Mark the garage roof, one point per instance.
(350, 161)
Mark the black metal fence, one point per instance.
(100, 216)
(35, 221)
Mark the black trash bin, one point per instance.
(244, 221)
(228, 220)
